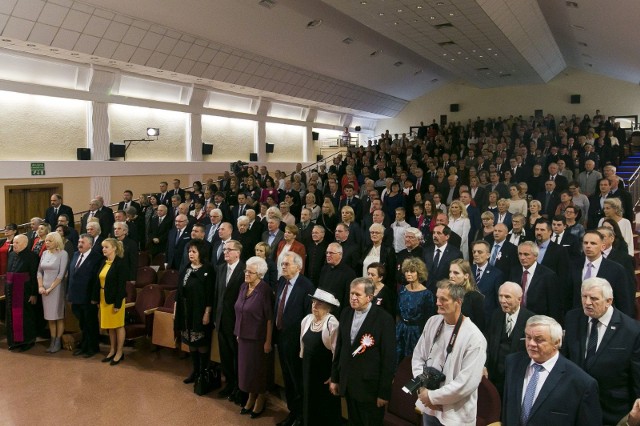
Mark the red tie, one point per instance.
(283, 299)
(523, 301)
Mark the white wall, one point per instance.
(232, 139)
(610, 96)
(286, 140)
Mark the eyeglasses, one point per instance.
(332, 252)
(375, 232)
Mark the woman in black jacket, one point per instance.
(111, 292)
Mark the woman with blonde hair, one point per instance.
(416, 305)
(460, 224)
(473, 303)
(328, 219)
(38, 246)
(534, 215)
(111, 292)
(51, 273)
(613, 210)
(263, 251)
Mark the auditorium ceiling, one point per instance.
(367, 57)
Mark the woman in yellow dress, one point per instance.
(112, 279)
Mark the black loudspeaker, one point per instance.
(538, 113)
(454, 108)
(270, 148)
(575, 99)
(319, 157)
(443, 119)
(84, 153)
(207, 149)
(358, 128)
(117, 150)
(315, 136)
(253, 156)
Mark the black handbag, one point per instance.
(208, 380)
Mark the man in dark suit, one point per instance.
(606, 344)
(93, 229)
(438, 256)
(225, 233)
(81, 278)
(56, 209)
(223, 206)
(240, 209)
(159, 231)
(364, 364)
(504, 255)
(621, 257)
(479, 195)
(549, 199)
(505, 333)
(177, 239)
(73, 234)
(556, 391)
(552, 255)
(305, 226)
(542, 293)
(488, 277)
(570, 242)
(350, 249)
(593, 264)
(127, 201)
(562, 183)
(352, 201)
(336, 275)
(273, 235)
(498, 186)
(292, 305)
(105, 216)
(177, 190)
(334, 194)
(316, 254)
(229, 278)
(163, 196)
(211, 233)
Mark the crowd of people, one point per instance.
(468, 248)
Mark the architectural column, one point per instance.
(98, 130)
(101, 185)
(194, 137)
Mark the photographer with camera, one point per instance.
(447, 362)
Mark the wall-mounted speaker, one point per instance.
(315, 136)
(253, 156)
(358, 128)
(207, 149)
(575, 99)
(454, 108)
(84, 153)
(538, 113)
(443, 119)
(319, 157)
(117, 150)
(270, 148)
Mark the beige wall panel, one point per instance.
(610, 96)
(30, 125)
(128, 122)
(232, 138)
(288, 142)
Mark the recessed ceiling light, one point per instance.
(489, 48)
(399, 10)
(466, 57)
(440, 3)
(315, 23)
(480, 56)
(451, 14)
(444, 54)
(495, 54)
(363, 2)
(459, 53)
(395, 23)
(380, 14)
(31, 45)
(419, 7)
(7, 40)
(453, 59)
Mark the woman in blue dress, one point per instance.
(415, 306)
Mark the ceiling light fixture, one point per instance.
(432, 17)
(363, 2)
(440, 3)
(399, 10)
(419, 7)
(315, 23)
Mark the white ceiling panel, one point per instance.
(28, 9)
(53, 14)
(18, 28)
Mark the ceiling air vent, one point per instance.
(347, 40)
(446, 43)
(398, 64)
(482, 69)
(315, 23)
(267, 3)
(445, 25)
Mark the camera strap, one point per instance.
(452, 339)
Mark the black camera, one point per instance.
(431, 378)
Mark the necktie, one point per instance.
(530, 393)
(229, 273)
(494, 254)
(592, 343)
(55, 210)
(553, 178)
(525, 275)
(509, 325)
(91, 214)
(283, 300)
(547, 198)
(587, 274)
(478, 274)
(241, 211)
(436, 259)
(126, 206)
(79, 260)
(178, 236)
(418, 184)
(219, 252)
(557, 239)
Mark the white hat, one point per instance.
(326, 297)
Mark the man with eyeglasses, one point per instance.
(336, 276)
(225, 232)
(292, 305)
(229, 278)
(215, 215)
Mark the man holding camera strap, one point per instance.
(452, 345)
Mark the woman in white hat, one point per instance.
(319, 332)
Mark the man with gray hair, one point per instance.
(364, 375)
(505, 334)
(543, 387)
(605, 343)
(336, 275)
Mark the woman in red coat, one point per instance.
(288, 244)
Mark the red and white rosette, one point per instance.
(366, 341)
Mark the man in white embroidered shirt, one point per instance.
(452, 344)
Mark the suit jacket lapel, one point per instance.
(608, 335)
(555, 376)
(364, 327)
(517, 331)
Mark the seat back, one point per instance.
(132, 293)
(146, 275)
(144, 259)
(401, 408)
(159, 260)
(169, 279)
(151, 296)
(170, 299)
(489, 404)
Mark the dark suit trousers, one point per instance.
(291, 363)
(228, 346)
(364, 413)
(87, 314)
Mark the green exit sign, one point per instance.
(37, 169)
